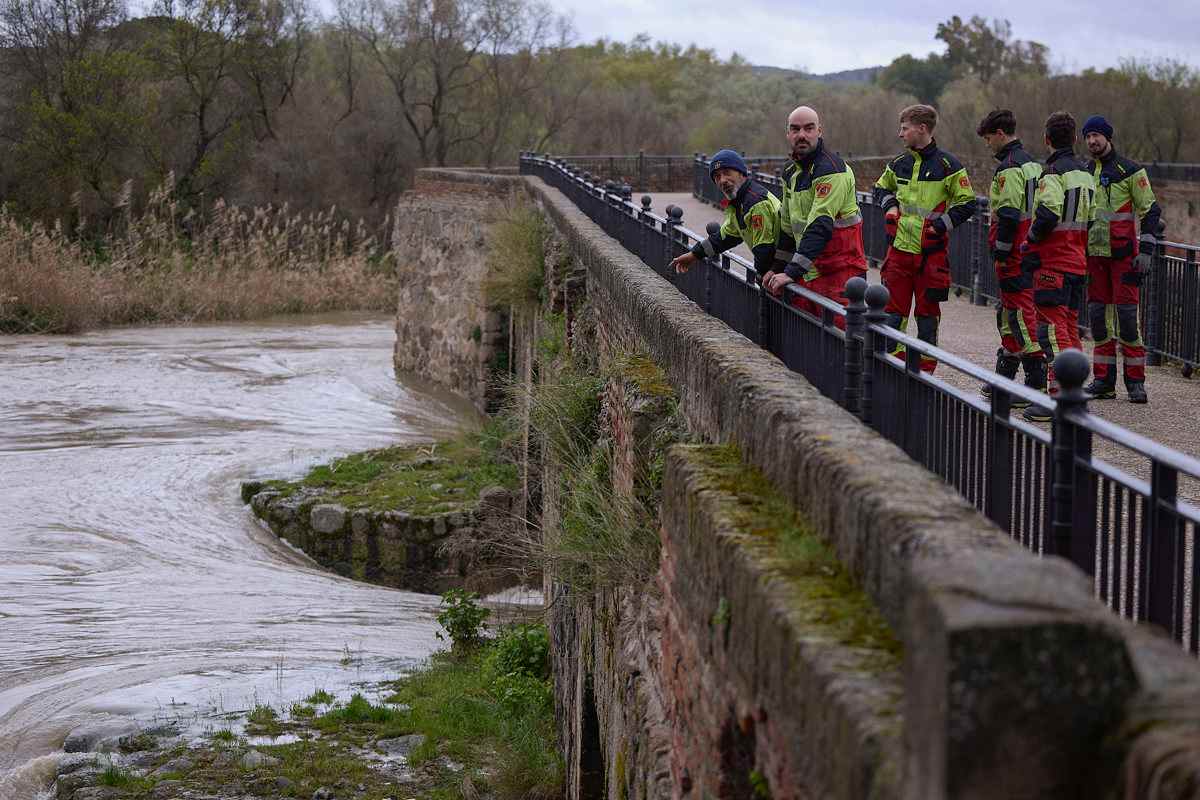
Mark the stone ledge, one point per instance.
(421, 553)
(821, 711)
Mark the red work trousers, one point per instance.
(1016, 319)
(831, 283)
(920, 279)
(1114, 288)
(1057, 296)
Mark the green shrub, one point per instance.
(520, 650)
(520, 695)
(463, 620)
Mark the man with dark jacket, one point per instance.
(1010, 202)
(924, 193)
(751, 216)
(1118, 262)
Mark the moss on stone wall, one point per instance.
(827, 597)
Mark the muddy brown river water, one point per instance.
(133, 582)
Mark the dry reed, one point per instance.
(166, 267)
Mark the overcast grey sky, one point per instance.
(848, 34)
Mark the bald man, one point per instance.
(820, 241)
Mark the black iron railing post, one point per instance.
(1164, 557)
(713, 229)
(645, 229)
(998, 503)
(764, 309)
(674, 218)
(1072, 491)
(874, 346)
(1155, 288)
(856, 322)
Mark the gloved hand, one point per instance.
(1143, 262)
(890, 220)
(934, 236)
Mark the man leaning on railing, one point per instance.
(820, 231)
(751, 216)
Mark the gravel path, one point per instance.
(1172, 417)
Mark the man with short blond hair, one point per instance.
(924, 193)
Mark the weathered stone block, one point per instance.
(328, 518)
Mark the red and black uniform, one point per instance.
(933, 194)
(820, 233)
(1011, 203)
(1123, 196)
(1055, 252)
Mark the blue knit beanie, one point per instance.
(727, 158)
(1098, 124)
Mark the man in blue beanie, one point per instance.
(751, 216)
(1118, 261)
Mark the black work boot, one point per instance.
(1006, 365)
(1102, 390)
(1137, 391)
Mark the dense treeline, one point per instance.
(265, 102)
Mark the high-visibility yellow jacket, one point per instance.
(1123, 194)
(820, 227)
(929, 185)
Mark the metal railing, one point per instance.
(1169, 311)
(1046, 489)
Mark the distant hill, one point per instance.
(863, 75)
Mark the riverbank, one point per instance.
(235, 264)
(476, 722)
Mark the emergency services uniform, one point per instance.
(820, 237)
(751, 217)
(1055, 252)
(1123, 194)
(934, 195)
(1010, 200)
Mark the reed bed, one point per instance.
(161, 266)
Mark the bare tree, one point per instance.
(274, 47)
(43, 38)
(428, 50)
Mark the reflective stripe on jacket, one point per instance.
(820, 223)
(927, 184)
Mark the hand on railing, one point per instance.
(775, 282)
(684, 262)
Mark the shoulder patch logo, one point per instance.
(965, 182)
(1143, 183)
(1000, 182)
(823, 189)
(756, 222)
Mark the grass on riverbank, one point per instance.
(479, 724)
(418, 479)
(232, 264)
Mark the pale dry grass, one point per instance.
(163, 267)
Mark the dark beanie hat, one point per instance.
(1098, 124)
(727, 158)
